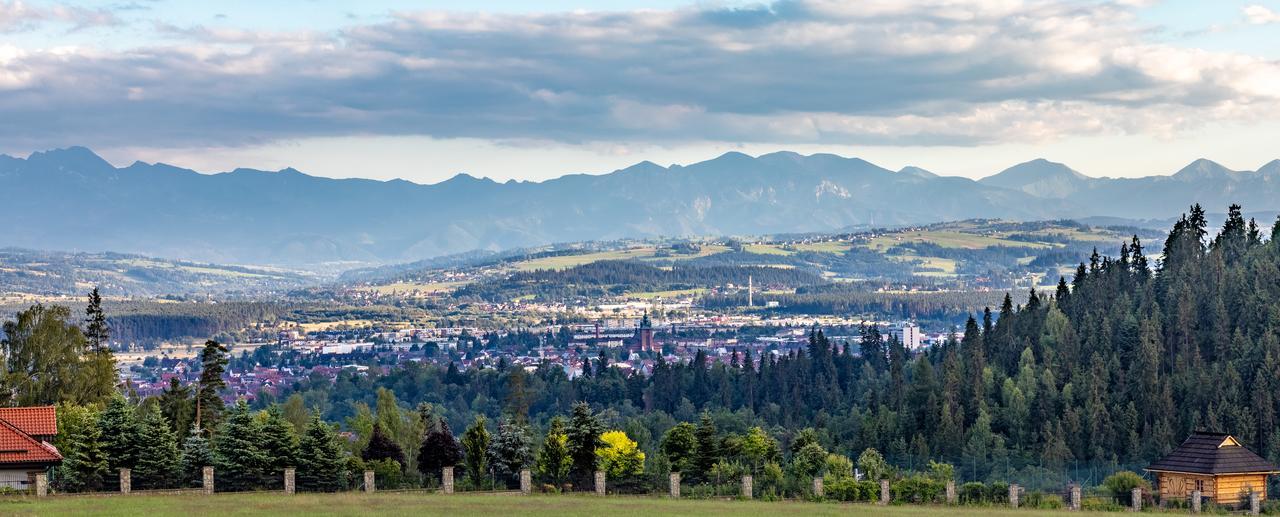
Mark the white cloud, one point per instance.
(1260, 15)
(16, 15)
(918, 72)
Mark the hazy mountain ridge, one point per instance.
(72, 199)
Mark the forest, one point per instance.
(1113, 369)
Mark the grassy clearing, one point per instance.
(836, 247)
(434, 504)
(767, 249)
(420, 287)
(667, 294)
(948, 239)
(568, 261)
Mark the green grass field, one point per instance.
(488, 505)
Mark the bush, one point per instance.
(1044, 501)
(973, 492)
(1094, 504)
(851, 490)
(998, 492)
(1121, 484)
(386, 473)
(918, 489)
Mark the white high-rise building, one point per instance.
(909, 334)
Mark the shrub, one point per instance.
(1121, 484)
(1095, 504)
(917, 489)
(973, 492)
(998, 492)
(851, 490)
(386, 473)
(1044, 501)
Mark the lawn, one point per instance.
(415, 503)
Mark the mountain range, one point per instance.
(72, 199)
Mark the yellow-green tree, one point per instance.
(620, 457)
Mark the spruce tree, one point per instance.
(120, 434)
(708, 447)
(238, 453)
(280, 443)
(84, 466)
(511, 450)
(158, 462)
(209, 406)
(196, 455)
(177, 407)
(320, 464)
(584, 432)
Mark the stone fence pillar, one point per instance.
(818, 488)
(42, 484)
(126, 481)
(207, 480)
(674, 484)
(1195, 501)
(1075, 498)
(600, 482)
(1014, 492)
(290, 485)
(526, 482)
(1135, 499)
(369, 483)
(951, 491)
(747, 487)
(446, 479)
(884, 492)
(1255, 504)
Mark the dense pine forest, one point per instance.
(1113, 368)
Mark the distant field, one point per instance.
(948, 239)
(647, 252)
(487, 505)
(422, 287)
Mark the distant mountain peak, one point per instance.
(1040, 177)
(1203, 168)
(912, 170)
(75, 156)
(1272, 167)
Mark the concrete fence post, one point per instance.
(446, 479)
(526, 482)
(290, 485)
(674, 485)
(1075, 498)
(951, 491)
(1014, 492)
(1255, 504)
(747, 487)
(1195, 501)
(600, 482)
(42, 484)
(884, 492)
(126, 481)
(1135, 499)
(207, 480)
(369, 483)
(818, 488)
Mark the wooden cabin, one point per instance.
(1215, 464)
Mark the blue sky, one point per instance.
(532, 90)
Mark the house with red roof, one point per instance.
(25, 433)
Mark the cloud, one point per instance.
(17, 16)
(895, 72)
(1260, 15)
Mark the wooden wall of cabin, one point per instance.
(1233, 488)
(1178, 487)
(1224, 489)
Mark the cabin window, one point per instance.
(1200, 485)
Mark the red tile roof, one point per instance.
(35, 421)
(17, 447)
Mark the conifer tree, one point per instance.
(196, 455)
(158, 461)
(84, 466)
(583, 433)
(279, 443)
(512, 449)
(209, 406)
(238, 452)
(320, 466)
(708, 447)
(120, 434)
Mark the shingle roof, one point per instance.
(35, 421)
(1212, 453)
(17, 447)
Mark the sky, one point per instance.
(532, 90)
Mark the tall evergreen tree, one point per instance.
(320, 459)
(157, 464)
(554, 461)
(84, 465)
(475, 446)
(239, 458)
(209, 406)
(120, 434)
(279, 443)
(196, 455)
(511, 450)
(584, 432)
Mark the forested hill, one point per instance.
(287, 217)
(1117, 366)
